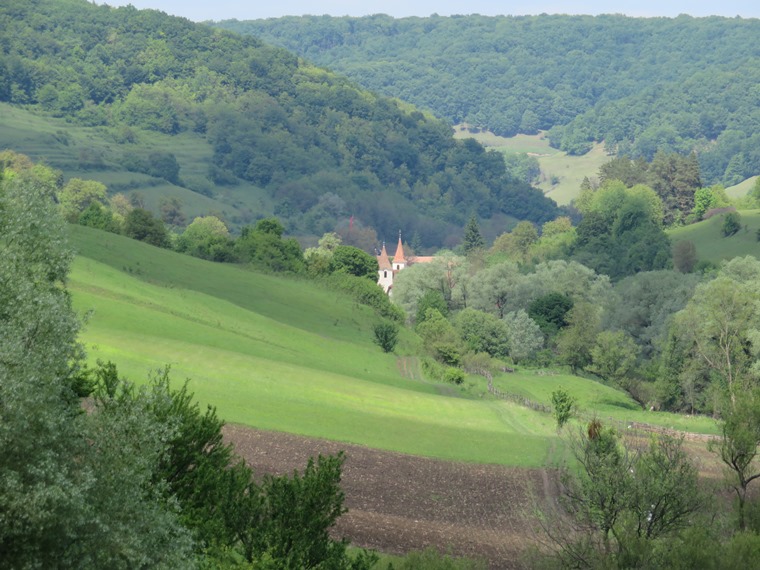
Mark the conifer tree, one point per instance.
(472, 239)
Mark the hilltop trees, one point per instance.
(647, 104)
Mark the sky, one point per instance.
(250, 10)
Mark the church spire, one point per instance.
(382, 260)
(398, 258)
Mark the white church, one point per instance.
(387, 270)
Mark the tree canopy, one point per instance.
(595, 78)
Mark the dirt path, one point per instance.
(399, 502)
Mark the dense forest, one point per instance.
(321, 147)
(638, 84)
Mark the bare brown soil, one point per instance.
(398, 503)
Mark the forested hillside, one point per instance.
(639, 84)
(320, 147)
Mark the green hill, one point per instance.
(287, 355)
(710, 243)
(158, 104)
(638, 84)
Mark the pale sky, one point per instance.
(251, 10)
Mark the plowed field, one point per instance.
(399, 502)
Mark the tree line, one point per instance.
(637, 84)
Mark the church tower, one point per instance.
(399, 261)
(385, 271)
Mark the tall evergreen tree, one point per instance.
(472, 239)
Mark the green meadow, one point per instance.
(287, 354)
(280, 354)
(710, 243)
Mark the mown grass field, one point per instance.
(710, 243)
(287, 355)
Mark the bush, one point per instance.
(732, 223)
(440, 373)
(453, 375)
(354, 261)
(98, 217)
(562, 406)
(367, 293)
(141, 225)
(386, 335)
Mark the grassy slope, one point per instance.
(742, 188)
(286, 355)
(570, 170)
(710, 243)
(70, 148)
(280, 354)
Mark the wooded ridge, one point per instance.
(638, 84)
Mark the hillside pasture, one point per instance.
(740, 190)
(287, 356)
(710, 243)
(597, 399)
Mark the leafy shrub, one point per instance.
(367, 293)
(141, 225)
(386, 335)
(453, 375)
(562, 406)
(440, 373)
(354, 261)
(732, 223)
(98, 217)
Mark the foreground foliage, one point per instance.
(143, 479)
(623, 500)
